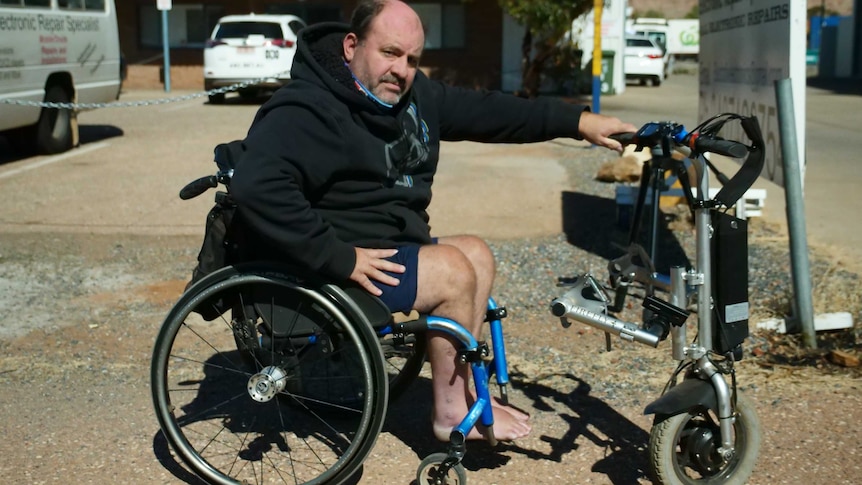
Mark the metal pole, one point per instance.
(167, 50)
(597, 55)
(799, 262)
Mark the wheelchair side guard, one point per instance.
(377, 313)
(682, 397)
(262, 270)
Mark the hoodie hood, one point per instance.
(320, 60)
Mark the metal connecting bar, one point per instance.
(678, 298)
(704, 259)
(562, 307)
(725, 409)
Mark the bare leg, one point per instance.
(451, 286)
(482, 260)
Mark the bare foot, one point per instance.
(517, 413)
(509, 423)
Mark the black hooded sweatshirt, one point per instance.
(324, 168)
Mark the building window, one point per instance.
(444, 24)
(27, 3)
(188, 25)
(95, 5)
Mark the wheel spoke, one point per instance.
(297, 410)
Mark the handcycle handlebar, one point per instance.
(727, 148)
(652, 134)
(667, 136)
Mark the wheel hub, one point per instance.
(264, 385)
(702, 451)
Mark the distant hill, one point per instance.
(676, 9)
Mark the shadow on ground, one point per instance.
(625, 442)
(13, 149)
(836, 85)
(591, 223)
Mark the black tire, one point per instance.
(237, 400)
(656, 81)
(54, 128)
(217, 98)
(682, 448)
(249, 93)
(428, 472)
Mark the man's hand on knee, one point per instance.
(371, 264)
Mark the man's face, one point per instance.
(387, 59)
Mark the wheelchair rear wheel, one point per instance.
(281, 388)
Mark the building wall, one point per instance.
(477, 64)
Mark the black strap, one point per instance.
(745, 177)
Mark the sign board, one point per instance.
(745, 46)
(163, 4)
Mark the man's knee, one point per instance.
(445, 273)
(477, 252)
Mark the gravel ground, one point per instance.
(74, 384)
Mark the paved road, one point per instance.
(133, 161)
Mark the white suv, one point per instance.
(251, 47)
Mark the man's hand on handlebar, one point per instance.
(597, 129)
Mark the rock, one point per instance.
(624, 169)
(845, 359)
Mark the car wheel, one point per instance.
(656, 81)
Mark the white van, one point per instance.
(55, 51)
(245, 48)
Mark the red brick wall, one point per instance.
(479, 63)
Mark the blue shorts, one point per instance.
(402, 297)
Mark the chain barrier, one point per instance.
(149, 102)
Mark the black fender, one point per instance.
(688, 394)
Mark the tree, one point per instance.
(547, 22)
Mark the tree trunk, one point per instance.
(526, 54)
(531, 76)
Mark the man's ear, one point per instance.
(349, 43)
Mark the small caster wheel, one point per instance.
(429, 472)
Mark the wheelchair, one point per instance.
(262, 376)
(263, 373)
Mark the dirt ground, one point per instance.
(75, 403)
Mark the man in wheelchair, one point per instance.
(336, 172)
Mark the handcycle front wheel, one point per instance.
(297, 395)
(683, 449)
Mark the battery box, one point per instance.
(729, 246)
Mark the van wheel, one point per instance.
(54, 128)
(656, 82)
(248, 93)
